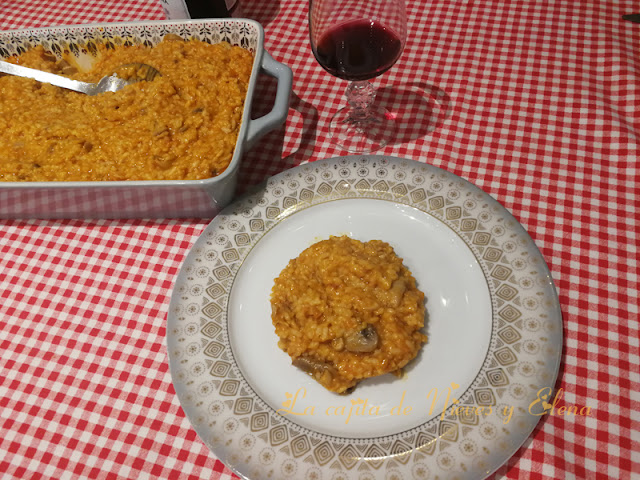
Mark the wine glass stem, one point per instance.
(360, 95)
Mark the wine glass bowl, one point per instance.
(357, 41)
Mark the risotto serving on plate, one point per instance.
(346, 310)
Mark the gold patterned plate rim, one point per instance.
(222, 379)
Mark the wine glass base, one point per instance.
(362, 134)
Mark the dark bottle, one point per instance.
(176, 9)
(211, 8)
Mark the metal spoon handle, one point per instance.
(46, 77)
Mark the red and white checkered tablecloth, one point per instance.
(535, 102)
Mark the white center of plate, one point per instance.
(458, 320)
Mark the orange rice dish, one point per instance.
(182, 125)
(346, 310)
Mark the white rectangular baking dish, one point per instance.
(146, 199)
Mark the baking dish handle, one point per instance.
(278, 114)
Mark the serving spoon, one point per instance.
(109, 83)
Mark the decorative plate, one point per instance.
(465, 404)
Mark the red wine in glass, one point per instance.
(358, 50)
(358, 40)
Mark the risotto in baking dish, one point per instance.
(182, 125)
(346, 310)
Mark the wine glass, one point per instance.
(357, 40)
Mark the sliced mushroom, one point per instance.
(364, 340)
(172, 37)
(48, 57)
(66, 68)
(398, 288)
(321, 371)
